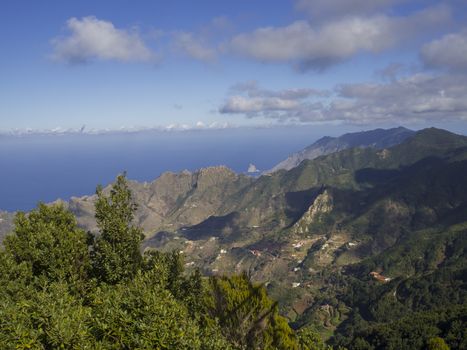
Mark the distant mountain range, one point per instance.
(123, 130)
(353, 242)
(378, 138)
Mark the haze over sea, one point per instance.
(47, 167)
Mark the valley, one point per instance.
(353, 235)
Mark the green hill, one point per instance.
(353, 243)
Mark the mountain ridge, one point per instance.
(377, 138)
(314, 234)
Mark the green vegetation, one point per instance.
(362, 249)
(64, 289)
(248, 315)
(115, 252)
(405, 214)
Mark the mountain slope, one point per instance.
(372, 208)
(378, 138)
(172, 200)
(315, 233)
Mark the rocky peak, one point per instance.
(212, 176)
(323, 204)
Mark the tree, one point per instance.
(141, 315)
(309, 339)
(116, 251)
(247, 316)
(175, 274)
(50, 318)
(50, 300)
(437, 343)
(50, 242)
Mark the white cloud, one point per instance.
(194, 46)
(418, 97)
(309, 47)
(122, 130)
(250, 100)
(94, 39)
(415, 98)
(449, 52)
(241, 104)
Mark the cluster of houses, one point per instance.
(377, 276)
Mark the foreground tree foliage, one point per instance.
(62, 290)
(247, 315)
(116, 252)
(49, 242)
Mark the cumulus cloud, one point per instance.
(449, 52)
(308, 47)
(414, 98)
(418, 97)
(252, 101)
(241, 104)
(92, 39)
(194, 46)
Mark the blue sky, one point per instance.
(148, 63)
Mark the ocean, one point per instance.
(47, 167)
